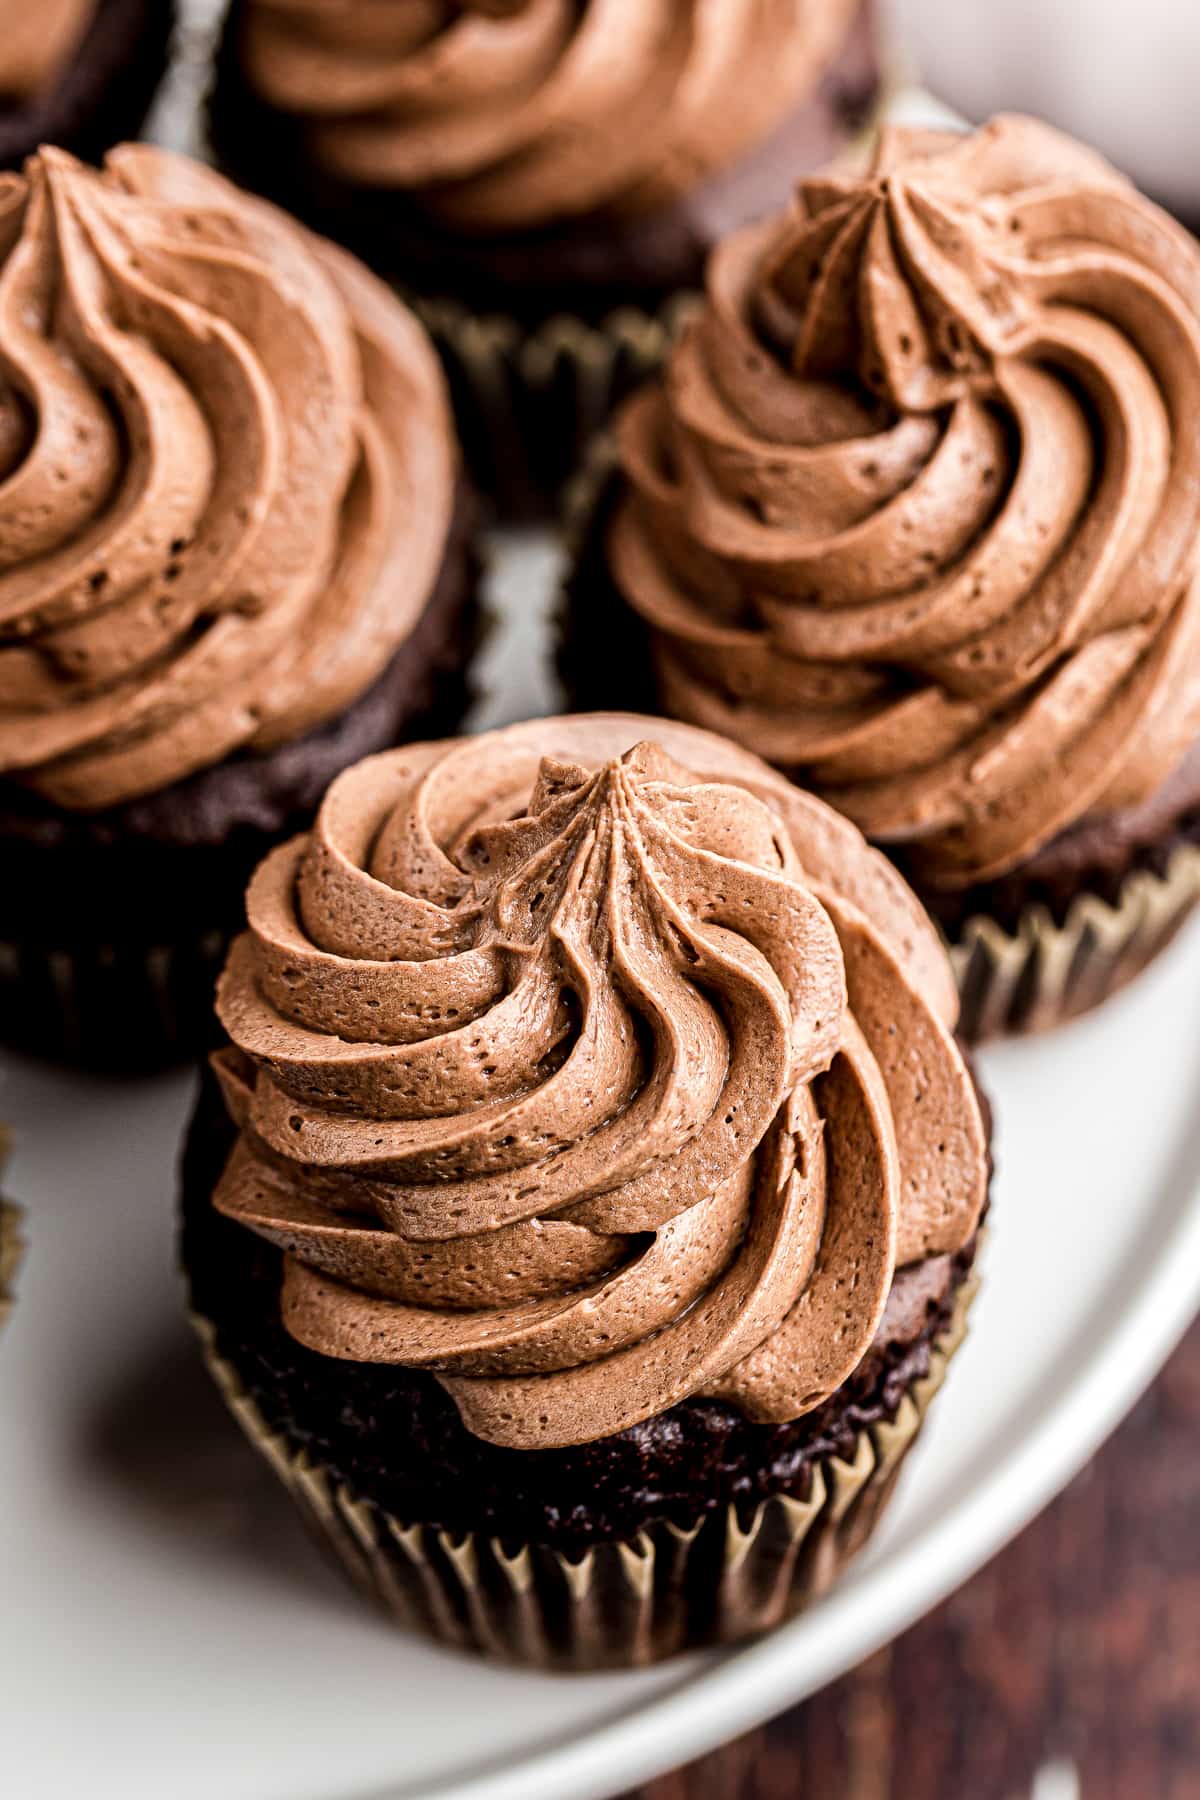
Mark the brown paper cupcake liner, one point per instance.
(12, 1241)
(12, 1254)
(1045, 973)
(621, 1604)
(529, 399)
(111, 1004)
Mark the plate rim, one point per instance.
(736, 1690)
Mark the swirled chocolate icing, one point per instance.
(36, 42)
(226, 475)
(592, 1066)
(915, 511)
(506, 114)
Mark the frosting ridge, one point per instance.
(583, 1075)
(915, 511)
(513, 113)
(227, 475)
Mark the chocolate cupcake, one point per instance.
(79, 73)
(543, 178)
(593, 1206)
(914, 514)
(236, 557)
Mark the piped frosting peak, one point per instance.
(915, 511)
(893, 275)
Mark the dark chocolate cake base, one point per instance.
(113, 925)
(394, 1438)
(103, 94)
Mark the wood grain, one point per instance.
(1068, 1669)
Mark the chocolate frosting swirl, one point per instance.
(226, 475)
(915, 511)
(37, 42)
(504, 114)
(592, 1072)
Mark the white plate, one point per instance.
(167, 1629)
(165, 1621)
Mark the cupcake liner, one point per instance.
(12, 1254)
(12, 1241)
(1044, 973)
(108, 1004)
(620, 1604)
(1026, 979)
(529, 399)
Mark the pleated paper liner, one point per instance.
(12, 1242)
(1026, 979)
(622, 1604)
(122, 1005)
(12, 1254)
(1044, 973)
(529, 399)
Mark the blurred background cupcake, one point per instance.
(80, 73)
(543, 178)
(592, 1208)
(914, 512)
(237, 557)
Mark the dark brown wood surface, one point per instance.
(1068, 1669)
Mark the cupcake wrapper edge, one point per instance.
(12, 1254)
(622, 1604)
(119, 1004)
(529, 399)
(1044, 973)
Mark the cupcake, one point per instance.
(914, 513)
(591, 1210)
(543, 177)
(236, 556)
(80, 73)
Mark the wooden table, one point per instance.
(1068, 1669)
